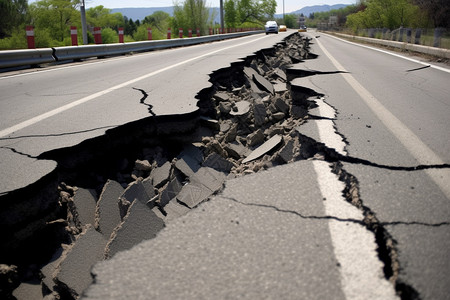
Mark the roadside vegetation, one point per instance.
(52, 19)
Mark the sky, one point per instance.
(289, 5)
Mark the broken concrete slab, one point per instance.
(135, 191)
(256, 138)
(160, 175)
(241, 108)
(49, 271)
(263, 83)
(264, 148)
(174, 210)
(221, 96)
(281, 105)
(259, 112)
(218, 163)
(236, 150)
(171, 191)
(189, 160)
(203, 184)
(107, 215)
(74, 271)
(142, 165)
(140, 224)
(85, 201)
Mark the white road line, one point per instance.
(412, 143)
(354, 246)
(393, 54)
(73, 104)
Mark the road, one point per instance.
(389, 138)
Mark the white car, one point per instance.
(271, 27)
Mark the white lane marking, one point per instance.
(326, 128)
(354, 246)
(58, 110)
(393, 54)
(412, 143)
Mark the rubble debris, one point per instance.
(264, 148)
(140, 224)
(107, 215)
(74, 270)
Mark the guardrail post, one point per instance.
(408, 35)
(74, 35)
(190, 32)
(120, 34)
(97, 35)
(198, 32)
(30, 37)
(149, 34)
(417, 36)
(180, 32)
(169, 33)
(210, 31)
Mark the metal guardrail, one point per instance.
(23, 57)
(14, 58)
(439, 52)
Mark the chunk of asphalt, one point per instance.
(174, 209)
(236, 150)
(189, 160)
(202, 185)
(48, 271)
(264, 148)
(259, 113)
(241, 108)
(140, 224)
(135, 191)
(171, 191)
(160, 176)
(107, 215)
(149, 188)
(263, 83)
(218, 163)
(85, 202)
(281, 105)
(74, 270)
(287, 153)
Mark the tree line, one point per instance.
(52, 20)
(389, 14)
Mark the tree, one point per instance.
(12, 15)
(193, 14)
(256, 11)
(231, 14)
(54, 17)
(159, 20)
(102, 17)
(437, 10)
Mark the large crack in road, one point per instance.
(111, 192)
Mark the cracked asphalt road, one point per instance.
(289, 232)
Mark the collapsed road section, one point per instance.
(112, 192)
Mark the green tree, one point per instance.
(437, 10)
(158, 20)
(256, 11)
(102, 17)
(290, 21)
(54, 17)
(231, 14)
(12, 15)
(193, 14)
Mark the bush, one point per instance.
(109, 36)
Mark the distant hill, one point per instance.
(139, 13)
(307, 10)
